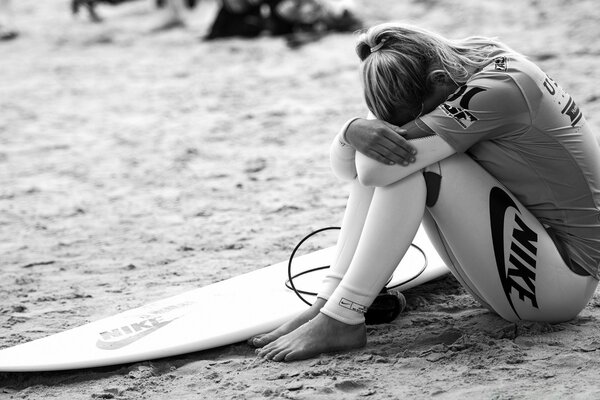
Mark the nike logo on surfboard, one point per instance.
(132, 333)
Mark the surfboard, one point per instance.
(219, 314)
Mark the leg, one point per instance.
(392, 221)
(443, 249)
(357, 207)
(500, 251)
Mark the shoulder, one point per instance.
(509, 76)
(490, 105)
(504, 86)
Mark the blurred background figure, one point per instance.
(299, 21)
(90, 6)
(8, 31)
(311, 20)
(173, 11)
(242, 18)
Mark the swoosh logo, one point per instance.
(118, 344)
(500, 201)
(345, 303)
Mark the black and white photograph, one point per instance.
(299, 199)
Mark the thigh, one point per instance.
(502, 252)
(443, 249)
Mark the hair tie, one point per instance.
(378, 46)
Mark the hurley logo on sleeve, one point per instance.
(460, 113)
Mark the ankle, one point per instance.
(336, 324)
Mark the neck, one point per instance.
(438, 96)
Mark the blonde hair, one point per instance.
(396, 60)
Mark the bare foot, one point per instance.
(264, 339)
(319, 335)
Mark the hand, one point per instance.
(380, 141)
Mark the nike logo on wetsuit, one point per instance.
(521, 270)
(351, 305)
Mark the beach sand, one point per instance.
(135, 166)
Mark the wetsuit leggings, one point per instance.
(492, 244)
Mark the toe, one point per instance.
(264, 351)
(257, 341)
(262, 341)
(298, 354)
(291, 356)
(253, 340)
(273, 350)
(280, 356)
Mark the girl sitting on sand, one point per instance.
(493, 157)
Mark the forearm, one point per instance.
(430, 149)
(342, 155)
(348, 163)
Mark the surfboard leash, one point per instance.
(387, 305)
(290, 282)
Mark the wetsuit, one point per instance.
(537, 156)
(528, 133)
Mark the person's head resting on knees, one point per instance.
(408, 71)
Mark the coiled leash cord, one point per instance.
(386, 306)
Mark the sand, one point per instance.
(135, 166)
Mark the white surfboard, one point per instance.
(222, 313)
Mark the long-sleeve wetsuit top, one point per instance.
(528, 133)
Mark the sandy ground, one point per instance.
(135, 166)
